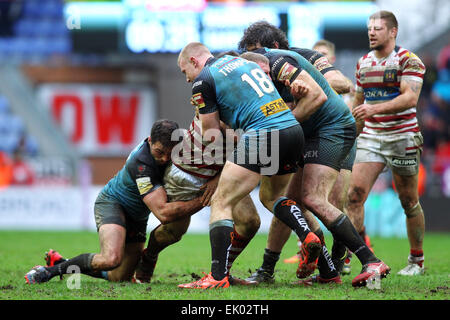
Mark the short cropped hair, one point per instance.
(192, 49)
(265, 34)
(325, 43)
(389, 17)
(162, 131)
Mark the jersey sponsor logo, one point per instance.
(197, 100)
(144, 185)
(288, 203)
(322, 63)
(404, 162)
(311, 154)
(286, 72)
(378, 93)
(410, 54)
(275, 64)
(274, 107)
(390, 75)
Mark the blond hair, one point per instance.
(193, 49)
(325, 43)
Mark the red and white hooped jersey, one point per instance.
(194, 159)
(379, 80)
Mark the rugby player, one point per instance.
(388, 84)
(264, 34)
(330, 133)
(240, 94)
(122, 209)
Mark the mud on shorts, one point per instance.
(400, 152)
(180, 185)
(332, 148)
(270, 152)
(108, 210)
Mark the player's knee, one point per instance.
(356, 196)
(411, 206)
(311, 201)
(252, 224)
(407, 201)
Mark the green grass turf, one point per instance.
(21, 250)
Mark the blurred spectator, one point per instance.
(435, 120)
(444, 58)
(5, 170)
(430, 76)
(22, 174)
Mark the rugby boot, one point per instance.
(262, 275)
(235, 281)
(52, 258)
(318, 279)
(294, 259)
(370, 270)
(347, 267)
(207, 282)
(38, 274)
(415, 267)
(309, 255)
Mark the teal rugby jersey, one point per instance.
(138, 177)
(286, 65)
(242, 93)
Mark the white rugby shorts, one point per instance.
(180, 185)
(399, 152)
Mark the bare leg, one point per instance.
(415, 221)
(363, 176)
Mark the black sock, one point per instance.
(220, 238)
(325, 265)
(289, 213)
(338, 251)
(344, 231)
(82, 262)
(270, 259)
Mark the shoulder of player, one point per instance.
(141, 162)
(309, 54)
(204, 79)
(405, 54)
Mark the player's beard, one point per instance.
(378, 47)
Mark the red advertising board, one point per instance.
(101, 119)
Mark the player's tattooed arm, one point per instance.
(408, 98)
